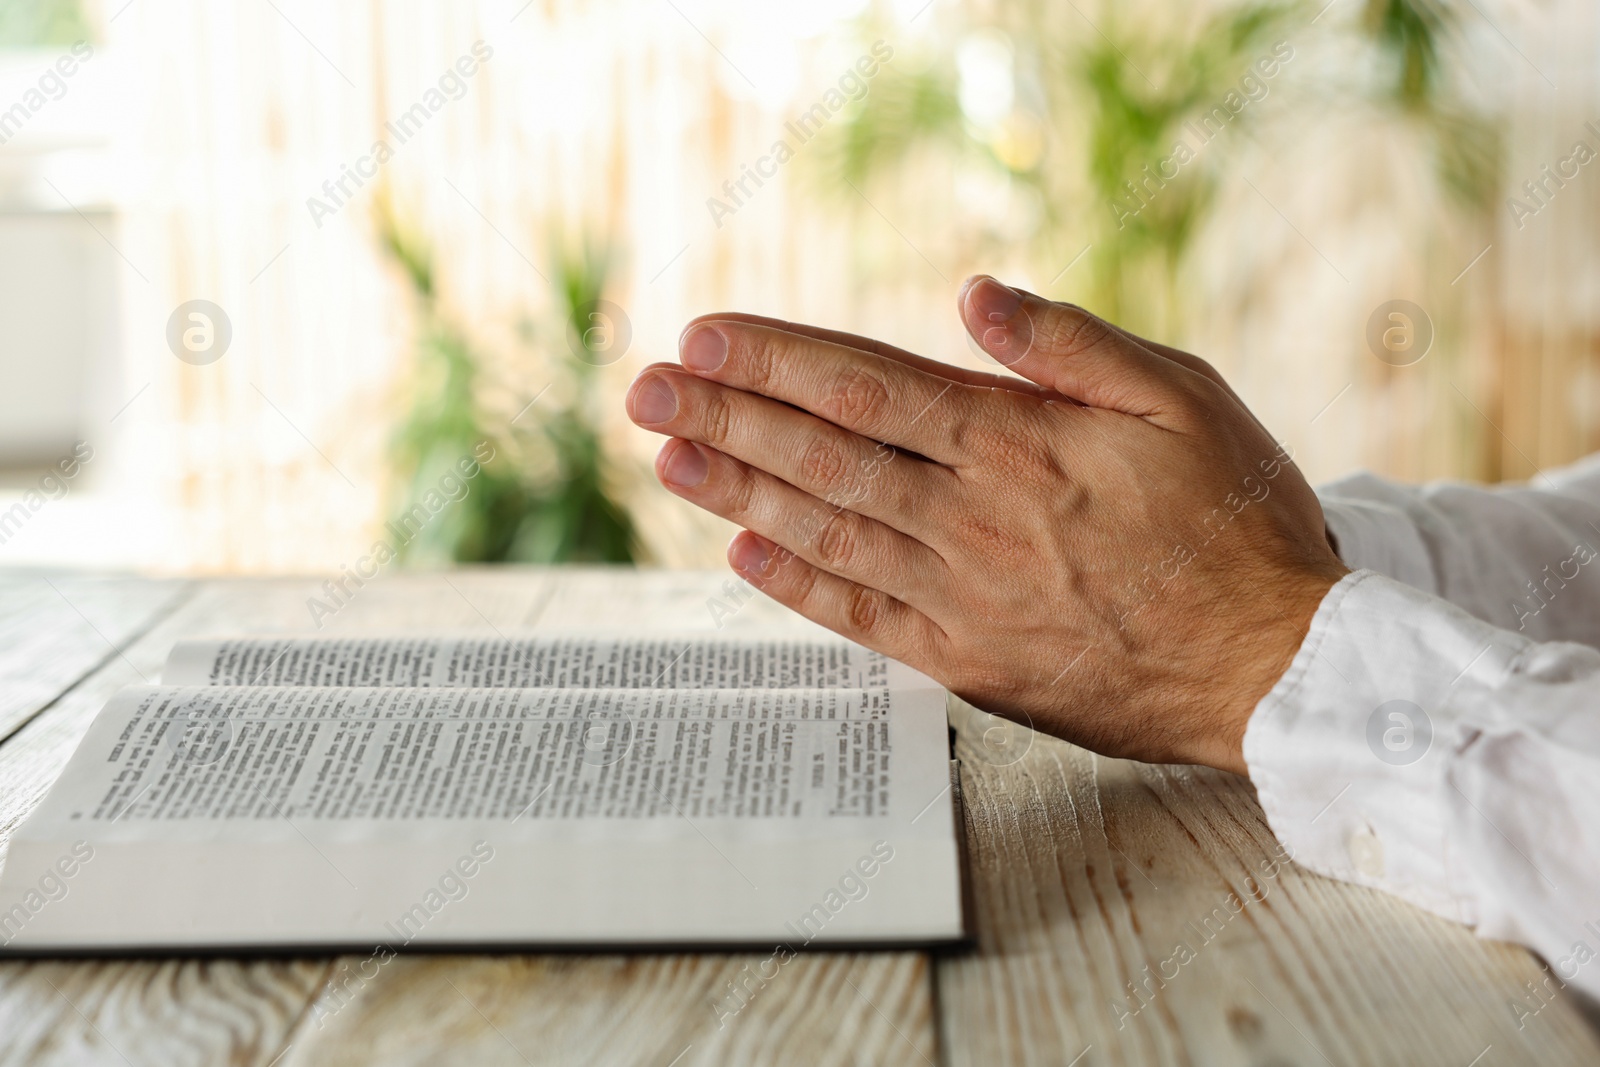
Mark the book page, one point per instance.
(248, 754)
(218, 816)
(599, 662)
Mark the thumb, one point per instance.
(1063, 347)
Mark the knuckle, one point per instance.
(717, 420)
(860, 399)
(989, 540)
(987, 439)
(864, 608)
(1211, 392)
(1204, 367)
(837, 542)
(1077, 331)
(973, 437)
(802, 587)
(1031, 459)
(1198, 397)
(761, 355)
(739, 494)
(823, 465)
(811, 527)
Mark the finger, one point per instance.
(834, 538)
(817, 457)
(964, 375)
(868, 616)
(1176, 355)
(1187, 360)
(1206, 370)
(1064, 348)
(1198, 366)
(878, 398)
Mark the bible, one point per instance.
(290, 794)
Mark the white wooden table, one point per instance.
(1085, 872)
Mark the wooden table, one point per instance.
(1085, 872)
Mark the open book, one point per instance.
(279, 794)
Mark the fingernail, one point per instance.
(992, 302)
(686, 467)
(998, 321)
(654, 401)
(751, 555)
(703, 349)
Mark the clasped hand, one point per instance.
(1109, 548)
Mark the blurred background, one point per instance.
(282, 281)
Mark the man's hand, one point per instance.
(1113, 551)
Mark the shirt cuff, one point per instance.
(1335, 749)
(1379, 537)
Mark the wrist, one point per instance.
(1257, 658)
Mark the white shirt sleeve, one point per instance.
(1511, 555)
(1420, 743)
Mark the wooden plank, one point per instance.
(819, 1008)
(702, 603)
(1090, 873)
(200, 1012)
(55, 629)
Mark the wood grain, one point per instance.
(1090, 873)
(55, 629)
(177, 1012)
(822, 1008)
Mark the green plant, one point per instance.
(1409, 32)
(1101, 112)
(544, 497)
(576, 518)
(43, 23)
(1104, 108)
(1467, 146)
(1134, 121)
